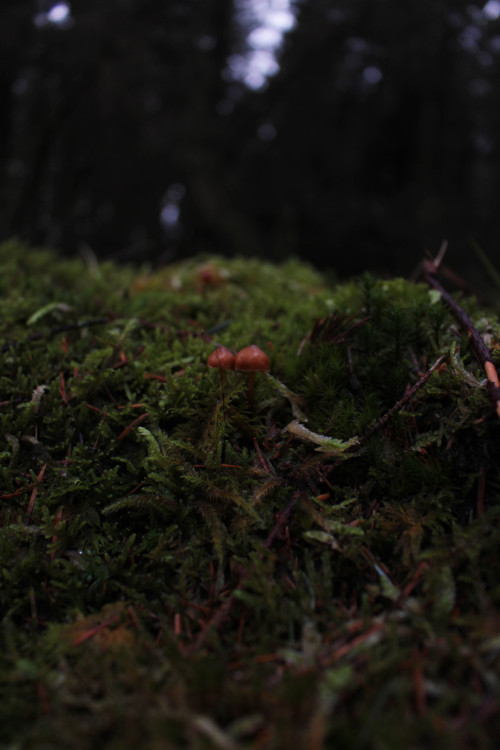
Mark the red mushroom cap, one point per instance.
(252, 359)
(222, 358)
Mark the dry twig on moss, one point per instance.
(410, 392)
(481, 351)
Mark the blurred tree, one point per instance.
(383, 112)
(111, 109)
(125, 127)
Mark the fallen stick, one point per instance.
(481, 351)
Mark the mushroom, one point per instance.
(251, 359)
(222, 359)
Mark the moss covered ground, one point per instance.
(180, 570)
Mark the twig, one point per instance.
(123, 434)
(410, 392)
(282, 519)
(481, 351)
(31, 503)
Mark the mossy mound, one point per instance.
(179, 570)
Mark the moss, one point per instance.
(178, 570)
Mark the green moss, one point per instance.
(177, 570)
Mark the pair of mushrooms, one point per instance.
(251, 359)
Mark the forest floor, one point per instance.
(185, 565)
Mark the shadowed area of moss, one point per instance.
(178, 570)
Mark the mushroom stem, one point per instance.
(222, 359)
(250, 389)
(251, 359)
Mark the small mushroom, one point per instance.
(222, 359)
(251, 359)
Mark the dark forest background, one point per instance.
(126, 128)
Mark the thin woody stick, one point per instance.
(407, 396)
(481, 351)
